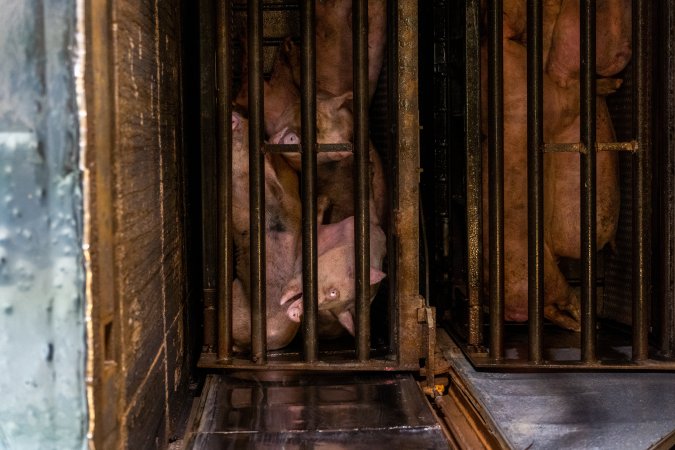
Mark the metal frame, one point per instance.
(406, 347)
(641, 148)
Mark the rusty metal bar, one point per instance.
(496, 176)
(295, 148)
(362, 178)
(579, 147)
(393, 306)
(474, 174)
(208, 169)
(666, 116)
(642, 69)
(257, 183)
(309, 219)
(535, 179)
(224, 176)
(587, 182)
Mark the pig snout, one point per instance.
(295, 310)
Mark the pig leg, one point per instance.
(561, 303)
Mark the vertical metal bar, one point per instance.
(208, 166)
(474, 174)
(666, 112)
(308, 139)
(535, 178)
(392, 167)
(225, 245)
(257, 182)
(362, 178)
(641, 179)
(496, 176)
(587, 181)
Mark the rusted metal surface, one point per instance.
(133, 89)
(309, 170)
(496, 176)
(361, 178)
(256, 183)
(406, 208)
(535, 179)
(208, 156)
(665, 162)
(224, 241)
(642, 219)
(579, 147)
(474, 175)
(588, 184)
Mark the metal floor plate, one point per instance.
(590, 410)
(352, 411)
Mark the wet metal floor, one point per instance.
(590, 410)
(353, 411)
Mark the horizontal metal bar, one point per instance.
(295, 148)
(274, 6)
(578, 147)
(485, 362)
(210, 361)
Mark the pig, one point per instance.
(336, 288)
(282, 240)
(613, 40)
(334, 66)
(561, 189)
(280, 93)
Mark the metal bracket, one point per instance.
(427, 315)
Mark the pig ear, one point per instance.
(376, 275)
(347, 321)
(291, 291)
(236, 120)
(344, 100)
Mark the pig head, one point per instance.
(336, 279)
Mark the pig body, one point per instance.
(334, 61)
(282, 240)
(561, 190)
(613, 40)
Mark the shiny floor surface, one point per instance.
(553, 410)
(355, 411)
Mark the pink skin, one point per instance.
(334, 66)
(336, 288)
(613, 40)
(280, 92)
(282, 218)
(334, 125)
(561, 189)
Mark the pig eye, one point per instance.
(333, 294)
(290, 138)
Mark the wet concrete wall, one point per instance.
(42, 338)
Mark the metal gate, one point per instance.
(403, 345)
(646, 153)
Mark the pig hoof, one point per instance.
(606, 86)
(562, 318)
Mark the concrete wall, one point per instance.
(42, 338)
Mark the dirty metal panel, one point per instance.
(573, 410)
(284, 410)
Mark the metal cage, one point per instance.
(646, 153)
(403, 347)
